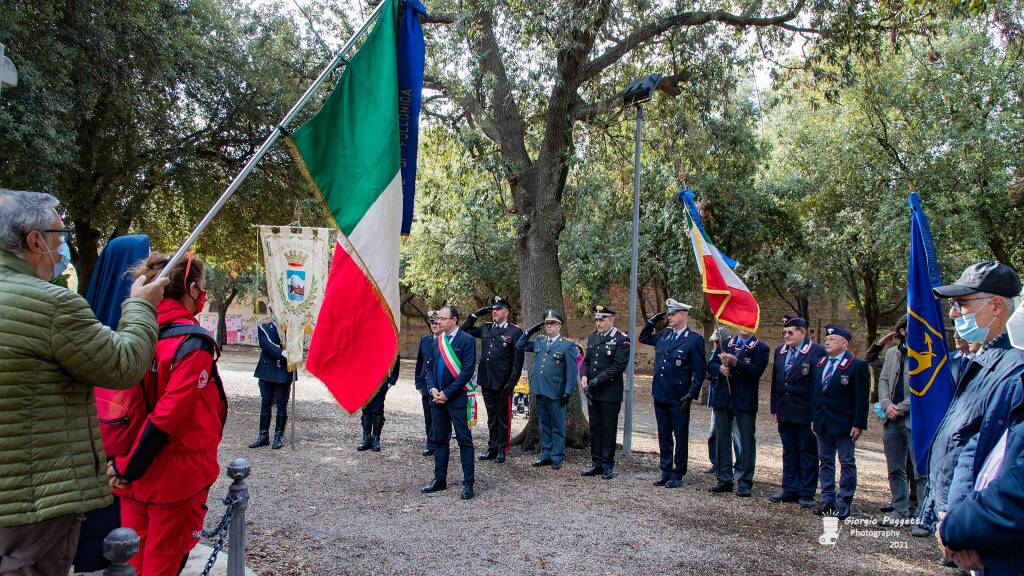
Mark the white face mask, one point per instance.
(1015, 328)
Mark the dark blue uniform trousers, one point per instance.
(673, 421)
(427, 421)
(828, 447)
(799, 459)
(551, 417)
(443, 418)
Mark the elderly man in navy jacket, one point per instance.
(740, 363)
(839, 414)
(454, 363)
(792, 382)
(679, 367)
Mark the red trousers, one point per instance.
(168, 532)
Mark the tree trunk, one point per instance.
(222, 312)
(87, 242)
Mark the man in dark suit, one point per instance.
(740, 363)
(275, 382)
(839, 414)
(792, 382)
(679, 368)
(603, 365)
(454, 364)
(424, 364)
(501, 363)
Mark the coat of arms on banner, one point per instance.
(296, 262)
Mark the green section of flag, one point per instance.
(350, 149)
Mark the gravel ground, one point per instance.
(323, 508)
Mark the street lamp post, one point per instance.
(638, 92)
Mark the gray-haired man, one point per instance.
(52, 352)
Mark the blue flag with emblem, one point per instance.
(928, 376)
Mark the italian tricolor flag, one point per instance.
(730, 300)
(350, 152)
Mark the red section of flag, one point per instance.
(733, 307)
(354, 343)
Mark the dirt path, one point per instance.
(323, 508)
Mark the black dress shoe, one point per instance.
(721, 487)
(594, 470)
(743, 491)
(467, 492)
(920, 531)
(556, 465)
(825, 509)
(710, 470)
(807, 503)
(435, 486)
(607, 473)
(489, 455)
(783, 497)
(885, 509)
(674, 483)
(428, 452)
(662, 481)
(843, 512)
(500, 458)
(541, 462)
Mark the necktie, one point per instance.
(790, 357)
(829, 370)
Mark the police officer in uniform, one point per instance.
(604, 362)
(839, 414)
(740, 363)
(501, 363)
(424, 364)
(275, 383)
(679, 367)
(792, 382)
(552, 381)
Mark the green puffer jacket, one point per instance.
(52, 352)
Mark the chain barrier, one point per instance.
(221, 532)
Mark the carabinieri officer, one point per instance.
(603, 364)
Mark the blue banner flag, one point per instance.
(411, 58)
(928, 376)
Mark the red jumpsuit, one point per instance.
(173, 462)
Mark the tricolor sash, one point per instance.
(448, 356)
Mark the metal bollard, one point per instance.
(118, 547)
(238, 471)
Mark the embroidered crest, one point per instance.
(805, 368)
(204, 377)
(844, 379)
(746, 360)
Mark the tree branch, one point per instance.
(645, 33)
(669, 85)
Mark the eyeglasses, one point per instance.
(789, 332)
(958, 305)
(552, 323)
(66, 232)
(439, 318)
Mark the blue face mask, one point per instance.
(60, 266)
(967, 327)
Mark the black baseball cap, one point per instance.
(991, 277)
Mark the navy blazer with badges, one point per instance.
(554, 372)
(425, 362)
(272, 366)
(842, 402)
(501, 363)
(791, 389)
(740, 390)
(453, 388)
(679, 363)
(604, 363)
